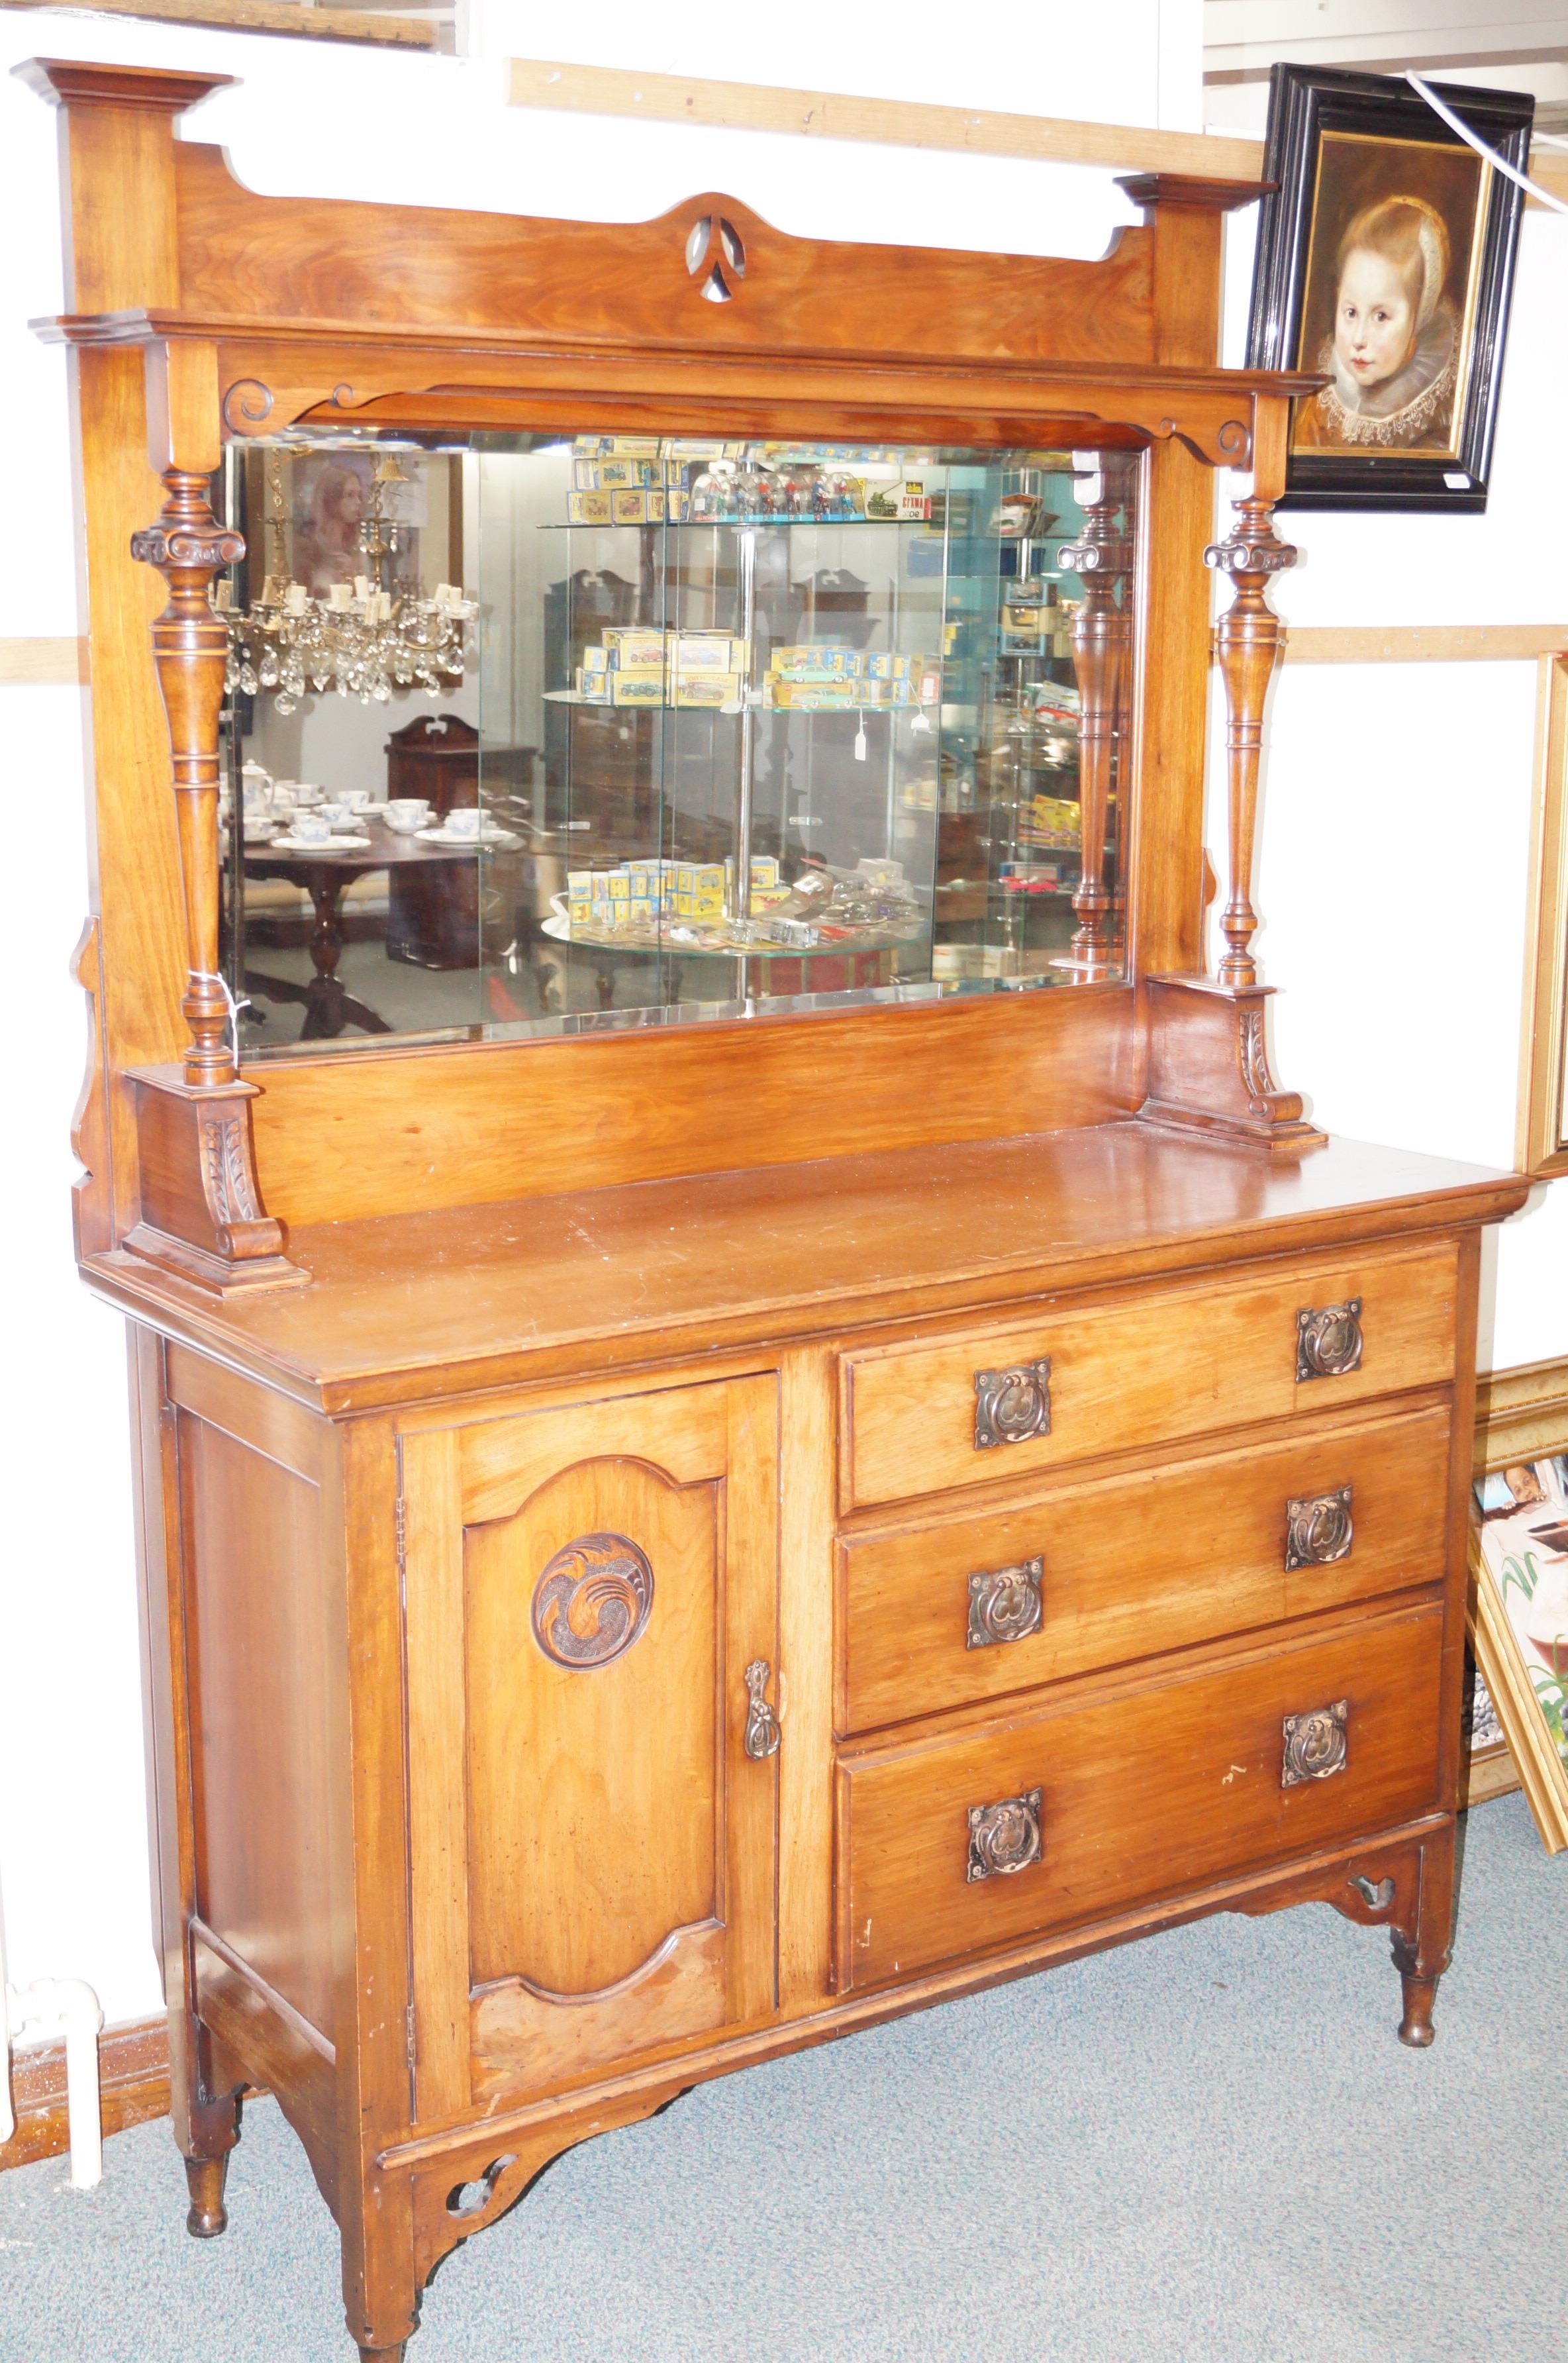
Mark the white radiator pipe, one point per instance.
(52, 2007)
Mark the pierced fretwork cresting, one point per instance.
(1251, 642)
(1102, 650)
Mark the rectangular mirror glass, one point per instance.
(532, 734)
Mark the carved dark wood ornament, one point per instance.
(1004, 1839)
(1316, 1746)
(592, 1601)
(1005, 1604)
(1318, 1530)
(1328, 1340)
(1013, 1405)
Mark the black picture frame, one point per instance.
(1306, 104)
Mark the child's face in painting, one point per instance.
(1375, 321)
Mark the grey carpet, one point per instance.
(1208, 2148)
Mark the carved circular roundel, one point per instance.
(593, 1600)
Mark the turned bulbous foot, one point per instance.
(1416, 2026)
(208, 2215)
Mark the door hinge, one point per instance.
(401, 1519)
(408, 2025)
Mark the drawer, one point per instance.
(1139, 1369)
(1130, 1795)
(1105, 1571)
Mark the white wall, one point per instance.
(1404, 1026)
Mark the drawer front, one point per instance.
(1140, 1370)
(1122, 1568)
(1141, 1794)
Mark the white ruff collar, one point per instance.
(1403, 406)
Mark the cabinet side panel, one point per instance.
(265, 1673)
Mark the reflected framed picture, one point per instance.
(1519, 1624)
(1385, 264)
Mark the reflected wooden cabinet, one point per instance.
(586, 1590)
(670, 1541)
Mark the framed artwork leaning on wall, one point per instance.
(1385, 260)
(1518, 1615)
(1543, 1147)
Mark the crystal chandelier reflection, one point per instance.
(361, 640)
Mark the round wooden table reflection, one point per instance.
(324, 872)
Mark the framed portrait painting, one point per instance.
(1384, 264)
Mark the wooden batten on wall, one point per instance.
(899, 123)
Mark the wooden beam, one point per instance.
(39, 664)
(286, 17)
(882, 122)
(899, 123)
(1424, 643)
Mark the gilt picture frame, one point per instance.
(1386, 261)
(1518, 1565)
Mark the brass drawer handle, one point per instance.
(1316, 1745)
(1328, 1340)
(1004, 1837)
(1318, 1530)
(1004, 1604)
(762, 1731)
(1013, 1404)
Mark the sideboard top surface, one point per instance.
(419, 1307)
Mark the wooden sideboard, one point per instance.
(664, 1547)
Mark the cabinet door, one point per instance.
(593, 1849)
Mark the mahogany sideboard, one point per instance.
(664, 1546)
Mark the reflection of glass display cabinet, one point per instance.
(754, 1409)
(748, 723)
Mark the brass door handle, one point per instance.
(1013, 1404)
(762, 1731)
(1328, 1340)
(1004, 1839)
(1316, 1745)
(1005, 1604)
(1318, 1530)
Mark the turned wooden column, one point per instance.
(1251, 641)
(1102, 658)
(190, 645)
(199, 1208)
